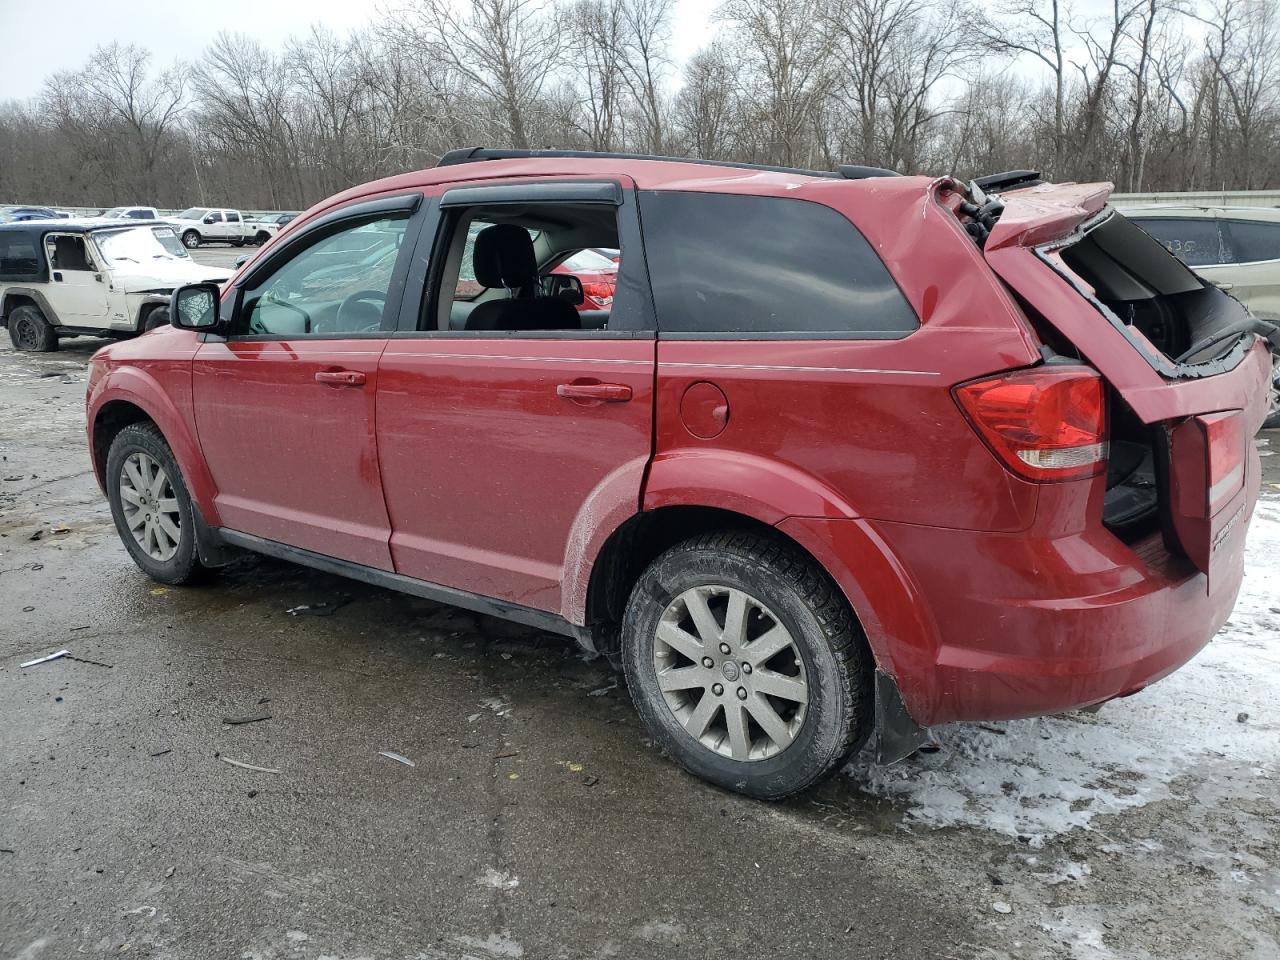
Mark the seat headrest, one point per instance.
(503, 257)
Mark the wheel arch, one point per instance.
(17, 296)
(132, 396)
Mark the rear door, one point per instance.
(285, 404)
(504, 451)
(1255, 276)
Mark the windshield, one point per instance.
(140, 244)
(115, 212)
(195, 213)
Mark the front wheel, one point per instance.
(190, 239)
(150, 505)
(30, 332)
(746, 664)
(158, 317)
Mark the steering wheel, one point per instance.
(362, 311)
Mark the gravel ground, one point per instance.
(537, 821)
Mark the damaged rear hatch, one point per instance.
(1188, 367)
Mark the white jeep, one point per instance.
(66, 278)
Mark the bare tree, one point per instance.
(507, 50)
(1038, 28)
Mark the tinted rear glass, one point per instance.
(1193, 240)
(19, 256)
(765, 267)
(1254, 240)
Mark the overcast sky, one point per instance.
(38, 37)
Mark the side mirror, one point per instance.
(195, 307)
(566, 288)
(211, 218)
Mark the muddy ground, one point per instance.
(537, 821)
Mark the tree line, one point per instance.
(1152, 94)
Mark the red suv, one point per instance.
(851, 454)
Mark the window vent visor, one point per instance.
(1044, 424)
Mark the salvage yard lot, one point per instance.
(534, 821)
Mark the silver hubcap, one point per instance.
(730, 672)
(150, 508)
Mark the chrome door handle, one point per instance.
(606, 392)
(341, 378)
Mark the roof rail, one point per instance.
(474, 154)
(995, 182)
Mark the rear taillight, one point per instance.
(1044, 424)
(601, 293)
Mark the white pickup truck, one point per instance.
(199, 225)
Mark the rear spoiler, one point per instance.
(1040, 212)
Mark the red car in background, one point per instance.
(597, 269)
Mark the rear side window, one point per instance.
(1254, 241)
(765, 268)
(1193, 240)
(19, 257)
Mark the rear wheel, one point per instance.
(151, 506)
(746, 664)
(30, 332)
(190, 239)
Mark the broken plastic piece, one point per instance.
(45, 659)
(398, 758)
(247, 766)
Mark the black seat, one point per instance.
(68, 254)
(503, 257)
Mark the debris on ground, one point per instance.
(506, 755)
(248, 718)
(1001, 907)
(169, 873)
(46, 659)
(1242, 717)
(398, 758)
(37, 535)
(603, 690)
(590, 781)
(161, 753)
(248, 766)
(318, 609)
(93, 663)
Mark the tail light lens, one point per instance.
(1043, 424)
(600, 292)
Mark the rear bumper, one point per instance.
(1030, 624)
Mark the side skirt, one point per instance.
(538, 619)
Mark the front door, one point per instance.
(78, 293)
(512, 426)
(285, 404)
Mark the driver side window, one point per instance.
(337, 285)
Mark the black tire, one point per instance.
(837, 664)
(190, 239)
(30, 332)
(156, 317)
(237, 243)
(262, 238)
(146, 438)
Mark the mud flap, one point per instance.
(897, 734)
